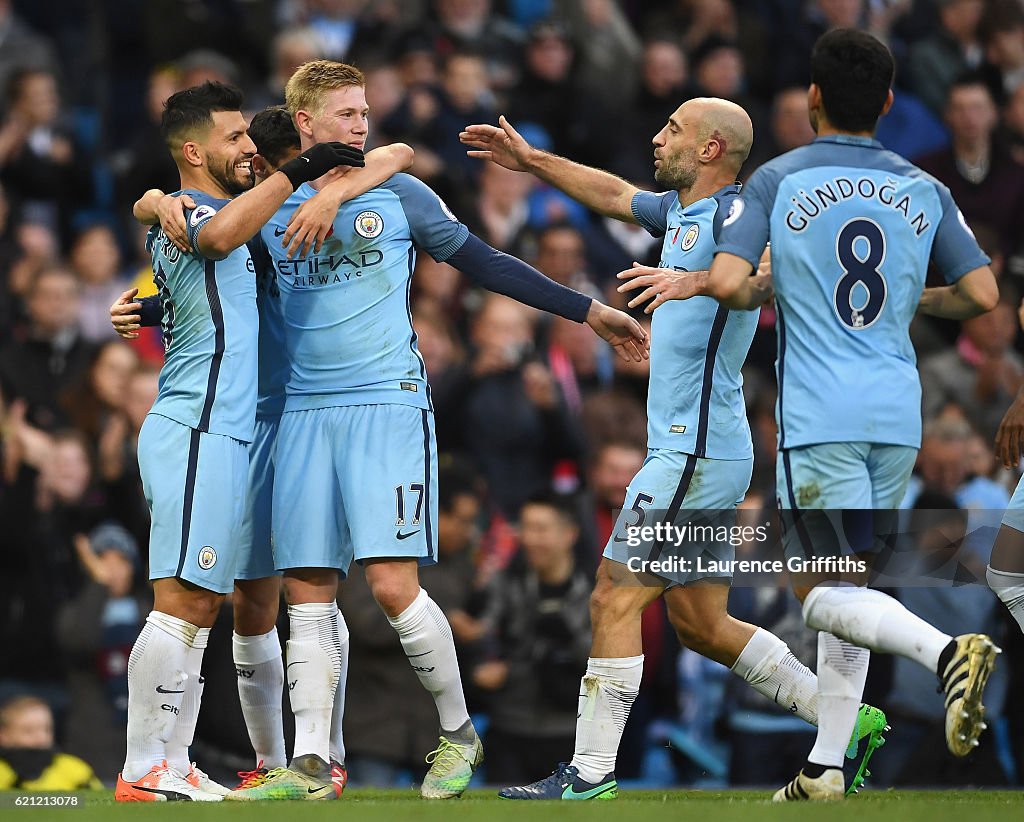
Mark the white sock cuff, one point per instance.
(343, 632)
(411, 614)
(177, 628)
(624, 672)
(312, 611)
(762, 649)
(1004, 578)
(255, 650)
(201, 639)
(1008, 586)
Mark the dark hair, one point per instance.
(854, 72)
(1001, 15)
(189, 111)
(559, 503)
(274, 134)
(969, 79)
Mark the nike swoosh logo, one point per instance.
(279, 231)
(400, 535)
(619, 539)
(777, 691)
(413, 656)
(172, 795)
(160, 690)
(320, 790)
(569, 793)
(296, 662)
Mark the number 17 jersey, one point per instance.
(852, 227)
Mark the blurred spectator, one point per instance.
(29, 760)
(501, 210)
(1013, 124)
(550, 95)
(609, 48)
(48, 500)
(472, 25)
(613, 414)
(35, 247)
(662, 89)
(719, 70)
(1002, 31)
(612, 468)
(791, 124)
(53, 356)
(987, 184)
(95, 631)
(96, 260)
(982, 374)
(538, 621)
(207, 66)
(560, 255)
(950, 52)
(515, 422)
(290, 49)
(146, 163)
(577, 359)
(20, 47)
(792, 52)
(100, 393)
(44, 171)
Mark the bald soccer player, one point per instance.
(700, 454)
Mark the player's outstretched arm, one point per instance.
(238, 221)
(973, 294)
(309, 226)
(598, 190)
(730, 283)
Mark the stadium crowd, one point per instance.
(539, 427)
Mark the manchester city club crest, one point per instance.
(690, 237)
(369, 224)
(207, 557)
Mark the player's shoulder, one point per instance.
(894, 163)
(402, 183)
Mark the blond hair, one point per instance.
(308, 87)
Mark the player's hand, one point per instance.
(624, 333)
(124, 315)
(315, 162)
(500, 144)
(170, 211)
(660, 285)
(1010, 436)
(310, 224)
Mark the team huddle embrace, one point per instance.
(293, 432)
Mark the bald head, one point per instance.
(724, 121)
(706, 140)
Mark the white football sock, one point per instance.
(876, 621)
(185, 727)
(607, 692)
(842, 671)
(338, 713)
(312, 670)
(427, 641)
(1009, 587)
(769, 667)
(260, 671)
(156, 688)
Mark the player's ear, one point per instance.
(304, 122)
(192, 153)
(261, 167)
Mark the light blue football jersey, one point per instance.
(210, 328)
(852, 228)
(695, 398)
(347, 319)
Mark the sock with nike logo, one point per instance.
(260, 671)
(185, 726)
(427, 641)
(769, 667)
(156, 689)
(607, 692)
(311, 673)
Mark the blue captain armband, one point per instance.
(151, 312)
(504, 274)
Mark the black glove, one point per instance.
(318, 160)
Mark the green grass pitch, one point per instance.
(483, 806)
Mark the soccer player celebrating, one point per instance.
(852, 229)
(193, 454)
(355, 473)
(700, 452)
(256, 647)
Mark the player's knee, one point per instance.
(393, 592)
(613, 603)
(254, 617)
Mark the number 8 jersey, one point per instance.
(852, 228)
